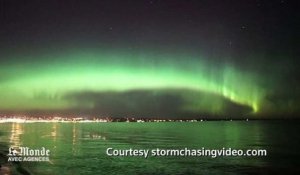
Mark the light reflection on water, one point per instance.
(16, 132)
(54, 131)
(79, 148)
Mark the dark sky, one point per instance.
(165, 58)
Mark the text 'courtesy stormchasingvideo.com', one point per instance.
(185, 152)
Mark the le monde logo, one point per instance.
(25, 154)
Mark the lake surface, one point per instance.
(80, 148)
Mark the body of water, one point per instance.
(80, 148)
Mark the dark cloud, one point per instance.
(282, 104)
(154, 103)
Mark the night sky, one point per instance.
(150, 58)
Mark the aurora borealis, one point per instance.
(150, 58)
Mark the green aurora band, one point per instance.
(43, 84)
